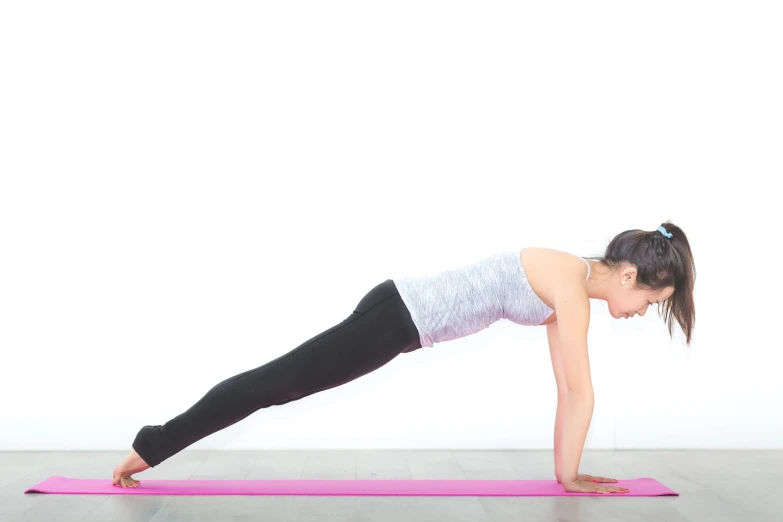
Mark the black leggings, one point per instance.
(375, 333)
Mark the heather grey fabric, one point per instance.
(460, 301)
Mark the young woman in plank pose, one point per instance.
(534, 286)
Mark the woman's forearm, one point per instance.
(562, 402)
(574, 415)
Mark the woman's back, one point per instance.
(461, 301)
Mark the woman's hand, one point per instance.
(583, 486)
(592, 478)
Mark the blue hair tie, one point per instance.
(663, 231)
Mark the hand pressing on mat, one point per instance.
(584, 486)
(131, 464)
(593, 478)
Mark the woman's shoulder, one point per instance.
(546, 267)
(545, 259)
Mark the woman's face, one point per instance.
(626, 300)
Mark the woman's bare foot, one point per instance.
(129, 465)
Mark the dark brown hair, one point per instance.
(660, 261)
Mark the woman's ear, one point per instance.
(629, 276)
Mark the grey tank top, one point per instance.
(461, 301)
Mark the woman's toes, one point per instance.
(128, 482)
(125, 482)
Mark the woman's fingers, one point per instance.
(610, 489)
(584, 486)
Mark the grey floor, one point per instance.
(713, 485)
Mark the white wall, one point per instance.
(191, 190)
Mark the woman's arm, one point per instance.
(578, 413)
(562, 400)
(575, 406)
(562, 392)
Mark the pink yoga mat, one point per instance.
(640, 487)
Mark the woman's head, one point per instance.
(646, 268)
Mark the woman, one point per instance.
(534, 286)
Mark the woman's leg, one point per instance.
(375, 333)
